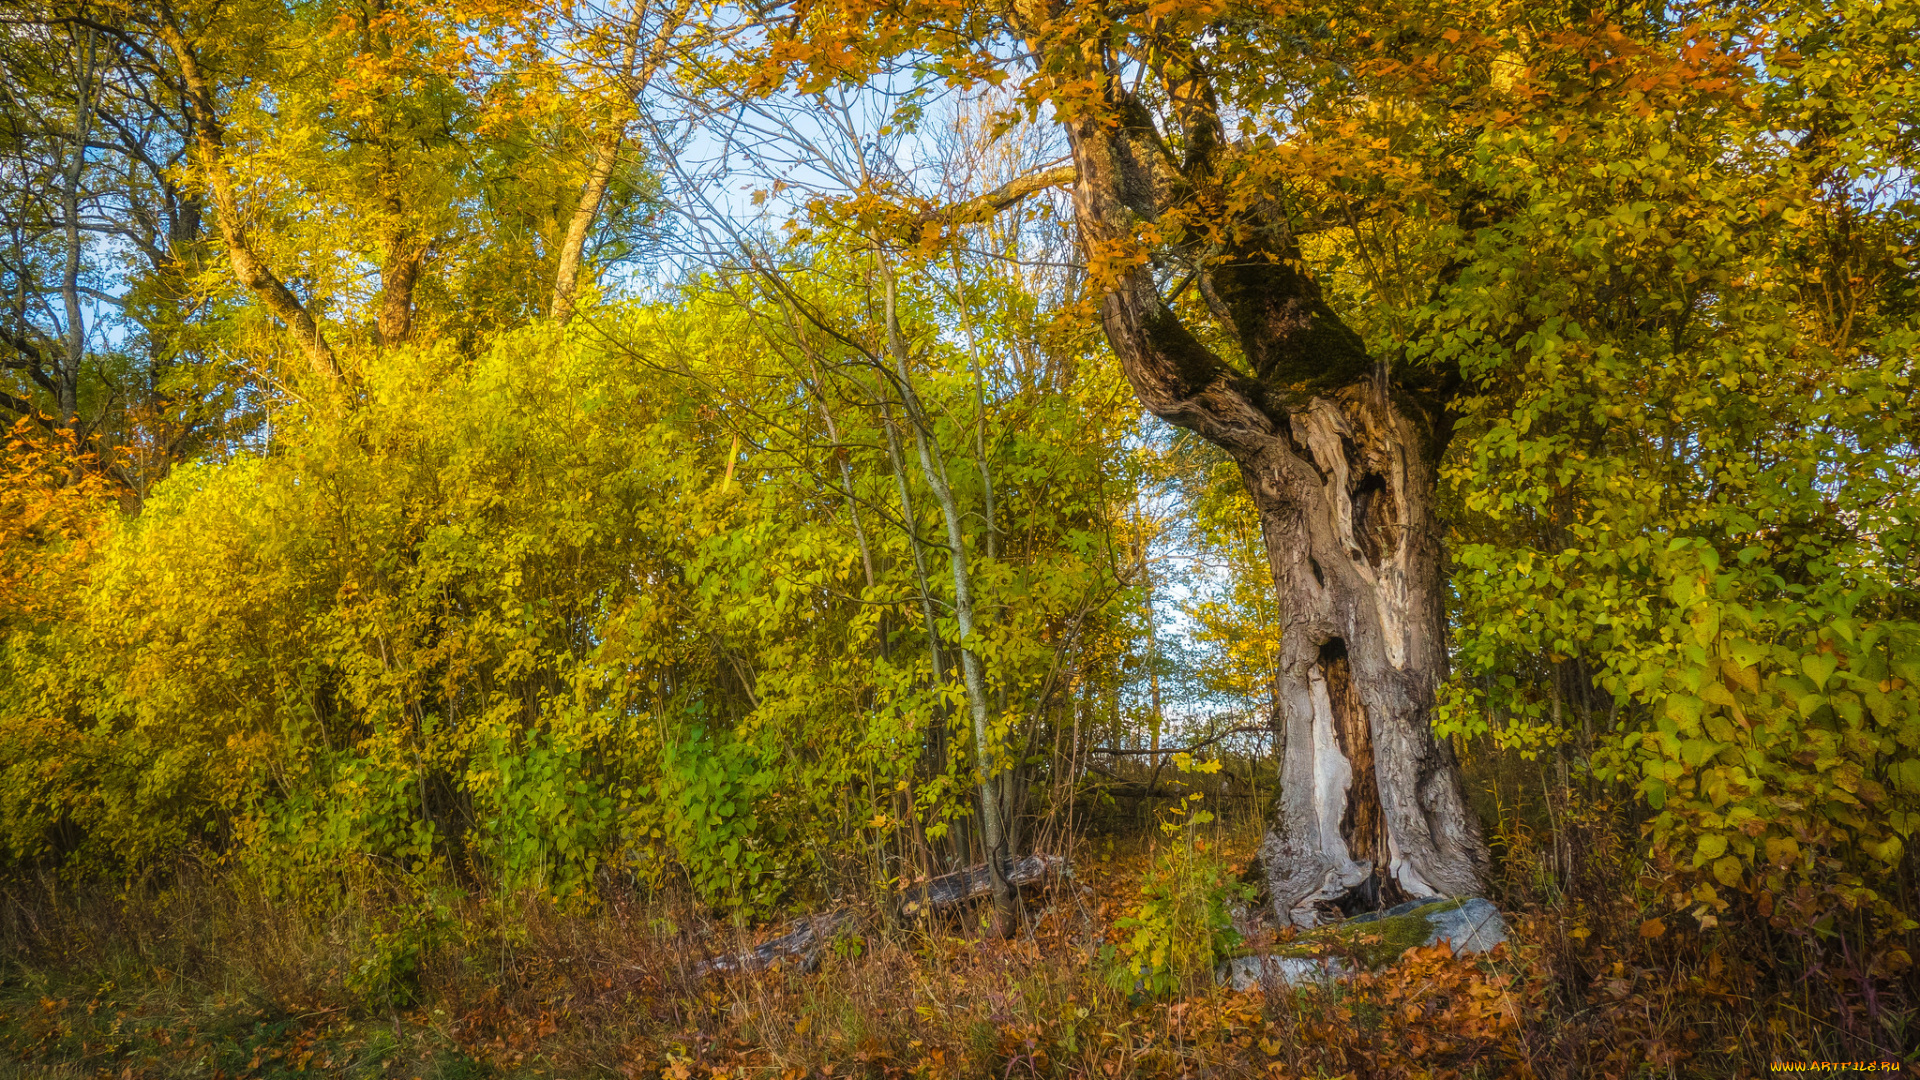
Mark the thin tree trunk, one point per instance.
(980, 409)
(566, 279)
(913, 542)
(936, 736)
(1006, 899)
(1158, 720)
(846, 488)
(1559, 800)
(853, 512)
(846, 469)
(210, 142)
(76, 336)
(606, 156)
(1008, 783)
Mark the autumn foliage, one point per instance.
(506, 502)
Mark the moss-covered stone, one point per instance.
(1374, 940)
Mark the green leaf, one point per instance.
(1684, 710)
(1819, 667)
(1905, 775)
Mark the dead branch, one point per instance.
(811, 934)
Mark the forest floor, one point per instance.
(196, 980)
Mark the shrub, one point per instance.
(1183, 923)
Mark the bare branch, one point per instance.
(1009, 194)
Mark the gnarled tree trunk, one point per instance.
(1371, 810)
(1340, 461)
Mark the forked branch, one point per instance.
(248, 266)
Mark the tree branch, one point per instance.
(606, 153)
(25, 408)
(210, 141)
(982, 207)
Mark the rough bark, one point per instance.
(1371, 810)
(1340, 462)
(399, 274)
(403, 250)
(566, 278)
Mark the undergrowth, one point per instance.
(198, 975)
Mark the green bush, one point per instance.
(524, 617)
(1183, 923)
(386, 968)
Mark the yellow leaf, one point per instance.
(1887, 851)
(1710, 847)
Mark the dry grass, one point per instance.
(199, 976)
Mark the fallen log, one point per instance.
(812, 933)
(804, 941)
(961, 886)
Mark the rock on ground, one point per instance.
(1249, 972)
(1472, 926)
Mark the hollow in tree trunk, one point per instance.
(1370, 811)
(1339, 457)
